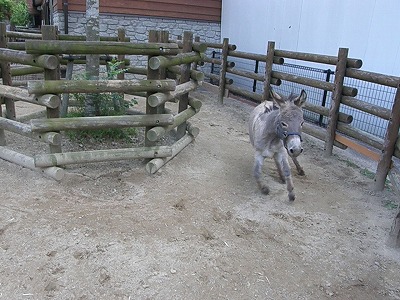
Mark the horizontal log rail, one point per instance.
(372, 109)
(155, 133)
(321, 110)
(83, 123)
(245, 93)
(252, 75)
(28, 162)
(20, 57)
(92, 47)
(318, 58)
(378, 78)
(136, 70)
(216, 61)
(52, 138)
(99, 86)
(68, 158)
(219, 46)
(360, 135)
(327, 86)
(256, 57)
(157, 99)
(81, 59)
(157, 62)
(157, 163)
(15, 93)
(21, 71)
(194, 74)
(320, 133)
(68, 37)
(196, 46)
(216, 78)
(20, 46)
(23, 35)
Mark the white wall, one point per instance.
(369, 28)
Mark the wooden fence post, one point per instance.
(222, 74)
(121, 59)
(3, 43)
(6, 74)
(49, 32)
(185, 77)
(389, 144)
(336, 98)
(151, 74)
(268, 70)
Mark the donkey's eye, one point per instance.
(284, 125)
(285, 134)
(302, 124)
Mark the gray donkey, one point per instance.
(275, 131)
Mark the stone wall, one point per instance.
(137, 28)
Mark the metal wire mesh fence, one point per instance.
(369, 92)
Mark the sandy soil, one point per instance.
(199, 228)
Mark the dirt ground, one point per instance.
(199, 228)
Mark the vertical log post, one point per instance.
(65, 96)
(222, 74)
(49, 32)
(185, 77)
(268, 70)
(163, 38)
(121, 60)
(195, 64)
(151, 74)
(336, 98)
(6, 74)
(389, 144)
(3, 68)
(92, 60)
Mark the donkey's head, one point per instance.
(290, 120)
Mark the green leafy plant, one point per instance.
(6, 9)
(20, 14)
(107, 104)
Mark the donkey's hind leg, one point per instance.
(300, 170)
(257, 172)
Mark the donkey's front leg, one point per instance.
(299, 169)
(257, 172)
(288, 177)
(278, 163)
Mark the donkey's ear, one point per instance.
(276, 98)
(300, 100)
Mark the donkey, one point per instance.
(275, 131)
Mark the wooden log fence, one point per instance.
(102, 47)
(45, 52)
(339, 127)
(99, 86)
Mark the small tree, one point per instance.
(20, 14)
(14, 11)
(5, 10)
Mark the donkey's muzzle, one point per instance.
(295, 151)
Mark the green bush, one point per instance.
(6, 9)
(15, 11)
(20, 14)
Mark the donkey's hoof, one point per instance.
(292, 197)
(301, 173)
(264, 190)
